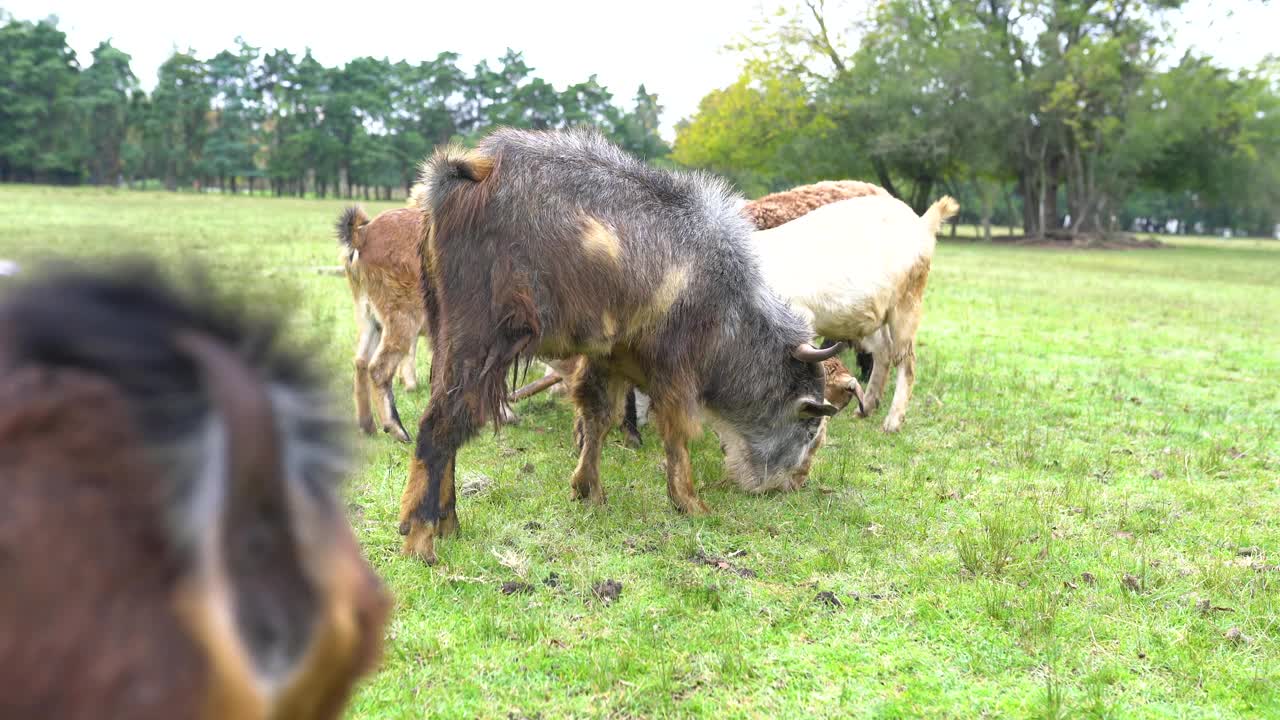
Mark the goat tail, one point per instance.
(940, 212)
(348, 227)
(417, 195)
(448, 168)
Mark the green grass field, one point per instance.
(1080, 518)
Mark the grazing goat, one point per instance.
(171, 541)
(773, 210)
(380, 257)
(869, 286)
(766, 212)
(557, 243)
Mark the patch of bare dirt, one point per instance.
(516, 588)
(828, 599)
(608, 591)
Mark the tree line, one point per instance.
(255, 120)
(1064, 117)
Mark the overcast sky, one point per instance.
(675, 47)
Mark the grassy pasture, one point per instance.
(1080, 518)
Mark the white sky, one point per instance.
(675, 47)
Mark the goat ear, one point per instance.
(810, 408)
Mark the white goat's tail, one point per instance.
(416, 196)
(940, 212)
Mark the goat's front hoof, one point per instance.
(447, 526)
(367, 427)
(586, 491)
(693, 507)
(632, 439)
(398, 433)
(892, 424)
(419, 541)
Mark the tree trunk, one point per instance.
(882, 174)
(922, 190)
(1030, 202)
(233, 184)
(1052, 217)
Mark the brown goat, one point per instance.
(773, 210)
(380, 257)
(382, 265)
(842, 387)
(172, 545)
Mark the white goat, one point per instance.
(857, 269)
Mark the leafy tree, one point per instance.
(39, 138)
(177, 121)
(104, 94)
(231, 145)
(243, 114)
(764, 132)
(1059, 99)
(637, 131)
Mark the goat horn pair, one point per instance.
(806, 352)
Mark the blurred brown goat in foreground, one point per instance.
(171, 541)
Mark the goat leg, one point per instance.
(596, 394)
(902, 391)
(631, 422)
(677, 428)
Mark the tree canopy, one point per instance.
(1069, 110)
(272, 119)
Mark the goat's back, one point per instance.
(846, 261)
(777, 208)
(601, 241)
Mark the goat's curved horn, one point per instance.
(806, 352)
(242, 400)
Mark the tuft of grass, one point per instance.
(1079, 417)
(989, 548)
